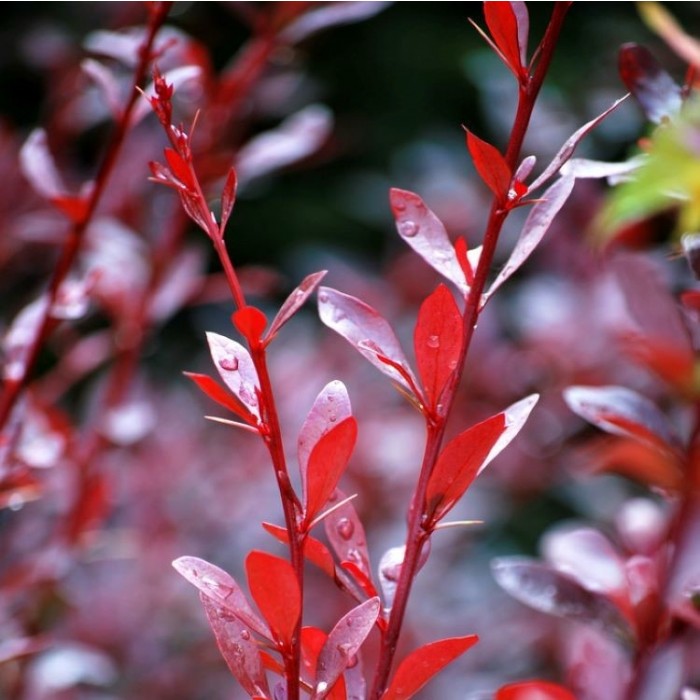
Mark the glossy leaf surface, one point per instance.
(534, 690)
(503, 26)
(490, 164)
(217, 393)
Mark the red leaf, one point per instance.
(469, 453)
(179, 167)
(490, 165)
(228, 199)
(425, 233)
(343, 643)
(327, 462)
(367, 331)
(423, 663)
(501, 21)
(534, 690)
(314, 551)
(275, 589)
(331, 405)
(294, 302)
(222, 588)
(217, 393)
(236, 368)
(251, 323)
(238, 648)
(438, 339)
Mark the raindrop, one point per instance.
(332, 418)
(344, 649)
(391, 572)
(355, 557)
(323, 297)
(322, 687)
(15, 502)
(345, 528)
(399, 206)
(245, 635)
(408, 228)
(349, 623)
(352, 661)
(433, 341)
(230, 364)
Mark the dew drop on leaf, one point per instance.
(352, 661)
(345, 528)
(245, 634)
(433, 342)
(408, 228)
(230, 364)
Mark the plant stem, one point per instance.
(417, 535)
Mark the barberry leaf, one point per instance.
(438, 340)
(365, 329)
(238, 648)
(222, 588)
(425, 662)
(503, 25)
(327, 462)
(534, 690)
(343, 643)
(314, 550)
(294, 302)
(275, 589)
(491, 165)
(251, 323)
(621, 411)
(228, 199)
(217, 393)
(535, 227)
(552, 592)
(236, 368)
(425, 233)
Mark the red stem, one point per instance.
(417, 535)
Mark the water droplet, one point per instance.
(345, 528)
(408, 228)
(399, 206)
(332, 417)
(238, 650)
(349, 623)
(322, 687)
(452, 365)
(323, 297)
(352, 661)
(245, 634)
(433, 341)
(230, 364)
(354, 556)
(344, 649)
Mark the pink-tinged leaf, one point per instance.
(222, 589)
(179, 283)
(583, 168)
(217, 393)
(343, 644)
(238, 648)
(275, 589)
(228, 199)
(683, 590)
(425, 662)
(663, 675)
(312, 641)
(367, 331)
(320, 17)
(327, 462)
(425, 233)
(438, 340)
(297, 137)
(586, 555)
(534, 690)
(314, 551)
(236, 368)
(522, 19)
(526, 166)
(20, 337)
(654, 89)
(502, 23)
(567, 150)
(490, 164)
(459, 464)
(541, 587)
(535, 227)
(346, 535)
(106, 82)
(294, 302)
(621, 411)
(390, 566)
(251, 323)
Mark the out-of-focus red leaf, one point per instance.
(17, 648)
(314, 550)
(534, 690)
(20, 337)
(228, 198)
(490, 164)
(651, 85)
(222, 588)
(294, 302)
(683, 590)
(621, 411)
(502, 23)
(425, 233)
(665, 672)
(320, 17)
(275, 589)
(19, 487)
(236, 368)
(567, 150)
(251, 323)
(238, 648)
(346, 535)
(425, 662)
(327, 462)
(438, 339)
(365, 329)
(91, 506)
(217, 393)
(343, 644)
(552, 592)
(179, 284)
(535, 227)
